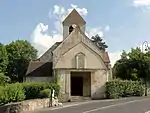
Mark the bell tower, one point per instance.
(74, 18)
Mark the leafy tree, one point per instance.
(123, 69)
(99, 42)
(3, 58)
(20, 52)
(124, 55)
(133, 66)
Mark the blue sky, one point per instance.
(122, 23)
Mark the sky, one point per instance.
(122, 24)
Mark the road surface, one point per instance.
(128, 105)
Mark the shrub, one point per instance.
(32, 90)
(45, 93)
(20, 91)
(11, 93)
(4, 79)
(124, 88)
(1, 95)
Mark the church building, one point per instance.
(82, 68)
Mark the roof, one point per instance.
(106, 57)
(55, 46)
(74, 18)
(47, 56)
(38, 69)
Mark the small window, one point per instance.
(80, 60)
(70, 29)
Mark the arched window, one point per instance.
(80, 60)
(70, 29)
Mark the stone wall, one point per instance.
(39, 79)
(98, 81)
(64, 83)
(86, 84)
(25, 106)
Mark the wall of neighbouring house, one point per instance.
(39, 79)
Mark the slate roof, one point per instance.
(38, 69)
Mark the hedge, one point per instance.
(4, 79)
(32, 90)
(45, 93)
(11, 93)
(124, 88)
(23, 91)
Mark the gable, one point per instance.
(71, 41)
(92, 59)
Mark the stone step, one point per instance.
(79, 98)
(86, 98)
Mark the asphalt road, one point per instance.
(129, 105)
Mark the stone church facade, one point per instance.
(82, 68)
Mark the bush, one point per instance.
(11, 93)
(124, 88)
(21, 91)
(45, 93)
(4, 79)
(32, 90)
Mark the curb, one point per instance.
(90, 101)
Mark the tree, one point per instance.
(20, 52)
(133, 66)
(3, 58)
(98, 42)
(124, 55)
(123, 69)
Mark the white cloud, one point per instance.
(114, 57)
(58, 10)
(41, 40)
(93, 31)
(141, 3)
(82, 11)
